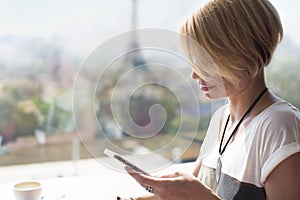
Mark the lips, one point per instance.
(205, 88)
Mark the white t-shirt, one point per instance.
(271, 137)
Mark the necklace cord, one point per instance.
(221, 151)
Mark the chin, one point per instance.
(214, 95)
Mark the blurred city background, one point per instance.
(44, 43)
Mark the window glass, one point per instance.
(43, 44)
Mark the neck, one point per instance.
(243, 98)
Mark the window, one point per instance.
(43, 46)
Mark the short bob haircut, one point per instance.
(239, 35)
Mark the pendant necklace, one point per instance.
(221, 151)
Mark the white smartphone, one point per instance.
(116, 156)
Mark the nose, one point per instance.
(195, 76)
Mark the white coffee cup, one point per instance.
(28, 190)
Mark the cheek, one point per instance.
(229, 88)
(215, 81)
(227, 84)
(221, 88)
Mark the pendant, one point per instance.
(218, 169)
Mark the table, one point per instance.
(105, 185)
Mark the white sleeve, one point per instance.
(280, 140)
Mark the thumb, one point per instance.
(174, 175)
(142, 179)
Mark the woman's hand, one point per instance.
(175, 186)
(146, 197)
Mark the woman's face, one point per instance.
(210, 79)
(214, 86)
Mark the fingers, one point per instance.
(119, 198)
(142, 179)
(156, 183)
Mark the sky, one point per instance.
(84, 24)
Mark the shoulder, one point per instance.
(278, 135)
(284, 107)
(278, 125)
(280, 116)
(219, 113)
(208, 147)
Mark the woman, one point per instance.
(257, 153)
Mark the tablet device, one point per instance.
(116, 156)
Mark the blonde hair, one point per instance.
(239, 35)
